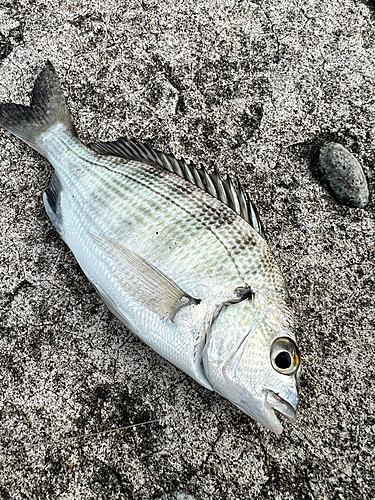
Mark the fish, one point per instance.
(177, 254)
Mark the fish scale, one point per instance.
(119, 188)
(177, 254)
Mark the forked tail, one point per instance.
(47, 108)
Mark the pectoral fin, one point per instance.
(144, 283)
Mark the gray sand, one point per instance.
(254, 88)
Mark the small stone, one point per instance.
(344, 175)
(177, 495)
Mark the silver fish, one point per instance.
(177, 255)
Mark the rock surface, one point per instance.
(253, 88)
(344, 175)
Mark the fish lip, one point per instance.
(280, 405)
(269, 407)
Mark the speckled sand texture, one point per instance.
(254, 88)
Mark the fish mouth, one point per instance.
(265, 409)
(276, 403)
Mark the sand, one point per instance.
(254, 88)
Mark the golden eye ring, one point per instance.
(285, 356)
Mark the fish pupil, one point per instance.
(283, 360)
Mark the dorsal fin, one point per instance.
(234, 197)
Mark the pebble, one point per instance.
(178, 496)
(344, 174)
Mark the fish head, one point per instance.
(251, 358)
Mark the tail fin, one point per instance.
(47, 108)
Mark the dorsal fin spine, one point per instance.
(220, 187)
(198, 179)
(188, 173)
(210, 185)
(242, 201)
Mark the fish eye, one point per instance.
(284, 356)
